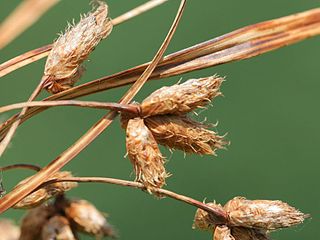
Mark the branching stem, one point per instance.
(219, 216)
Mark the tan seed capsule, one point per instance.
(43, 194)
(145, 155)
(180, 132)
(241, 233)
(223, 233)
(63, 67)
(202, 219)
(8, 230)
(86, 218)
(262, 214)
(57, 228)
(182, 98)
(34, 220)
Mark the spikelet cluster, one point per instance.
(49, 191)
(249, 219)
(182, 98)
(63, 67)
(145, 155)
(183, 133)
(262, 214)
(163, 120)
(63, 219)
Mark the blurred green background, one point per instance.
(270, 112)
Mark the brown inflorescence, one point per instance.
(8, 230)
(223, 233)
(241, 233)
(34, 220)
(63, 67)
(203, 220)
(86, 218)
(57, 228)
(262, 214)
(182, 98)
(145, 155)
(49, 191)
(249, 219)
(180, 132)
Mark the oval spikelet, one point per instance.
(241, 233)
(34, 220)
(145, 155)
(262, 214)
(63, 67)
(202, 219)
(57, 228)
(85, 217)
(180, 132)
(223, 233)
(43, 194)
(182, 98)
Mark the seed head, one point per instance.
(8, 230)
(202, 219)
(85, 217)
(262, 214)
(63, 67)
(34, 220)
(47, 192)
(180, 132)
(57, 228)
(223, 233)
(145, 155)
(241, 233)
(182, 98)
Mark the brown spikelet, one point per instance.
(145, 155)
(47, 192)
(223, 233)
(8, 230)
(262, 214)
(57, 228)
(202, 219)
(34, 220)
(63, 67)
(241, 233)
(85, 217)
(182, 98)
(180, 132)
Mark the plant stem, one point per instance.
(22, 166)
(219, 216)
(129, 108)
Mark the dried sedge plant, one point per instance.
(164, 117)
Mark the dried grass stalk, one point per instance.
(43, 194)
(182, 98)
(57, 228)
(63, 66)
(180, 132)
(145, 155)
(262, 214)
(28, 12)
